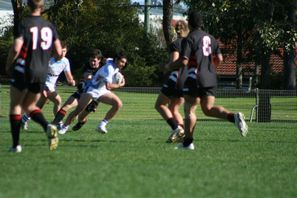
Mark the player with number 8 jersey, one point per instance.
(27, 63)
(198, 52)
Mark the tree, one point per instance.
(290, 52)
(259, 28)
(167, 18)
(110, 26)
(17, 6)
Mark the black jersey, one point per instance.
(176, 45)
(199, 48)
(88, 70)
(38, 36)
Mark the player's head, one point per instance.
(195, 20)
(95, 58)
(121, 59)
(181, 28)
(36, 4)
(64, 48)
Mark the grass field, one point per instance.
(133, 160)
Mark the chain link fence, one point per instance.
(257, 105)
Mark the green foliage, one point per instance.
(5, 43)
(110, 26)
(139, 75)
(254, 28)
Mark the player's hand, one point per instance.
(72, 83)
(123, 82)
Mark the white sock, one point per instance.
(104, 122)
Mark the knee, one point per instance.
(118, 104)
(207, 110)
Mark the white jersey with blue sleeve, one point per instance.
(104, 75)
(55, 68)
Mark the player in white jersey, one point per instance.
(99, 90)
(55, 68)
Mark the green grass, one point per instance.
(133, 160)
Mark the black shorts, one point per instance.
(76, 95)
(171, 90)
(18, 81)
(192, 88)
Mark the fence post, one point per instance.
(264, 107)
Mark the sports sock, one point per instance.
(80, 124)
(25, 118)
(172, 123)
(59, 116)
(38, 117)
(230, 117)
(187, 141)
(15, 126)
(104, 122)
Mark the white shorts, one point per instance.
(50, 87)
(97, 92)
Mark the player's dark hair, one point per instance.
(195, 20)
(96, 53)
(64, 44)
(34, 4)
(119, 55)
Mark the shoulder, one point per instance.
(65, 60)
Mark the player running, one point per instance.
(56, 67)
(171, 98)
(27, 62)
(99, 90)
(94, 63)
(198, 52)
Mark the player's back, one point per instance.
(39, 36)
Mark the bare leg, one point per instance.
(115, 102)
(161, 106)
(208, 108)
(84, 100)
(190, 116)
(174, 107)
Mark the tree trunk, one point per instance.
(238, 62)
(289, 60)
(17, 13)
(265, 71)
(167, 18)
(289, 70)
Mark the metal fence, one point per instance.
(258, 105)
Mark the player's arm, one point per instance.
(13, 54)
(181, 62)
(69, 78)
(111, 86)
(58, 48)
(87, 75)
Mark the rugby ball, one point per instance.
(117, 78)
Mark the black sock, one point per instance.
(187, 141)
(230, 117)
(59, 116)
(81, 123)
(172, 123)
(38, 117)
(15, 126)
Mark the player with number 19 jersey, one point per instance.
(32, 63)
